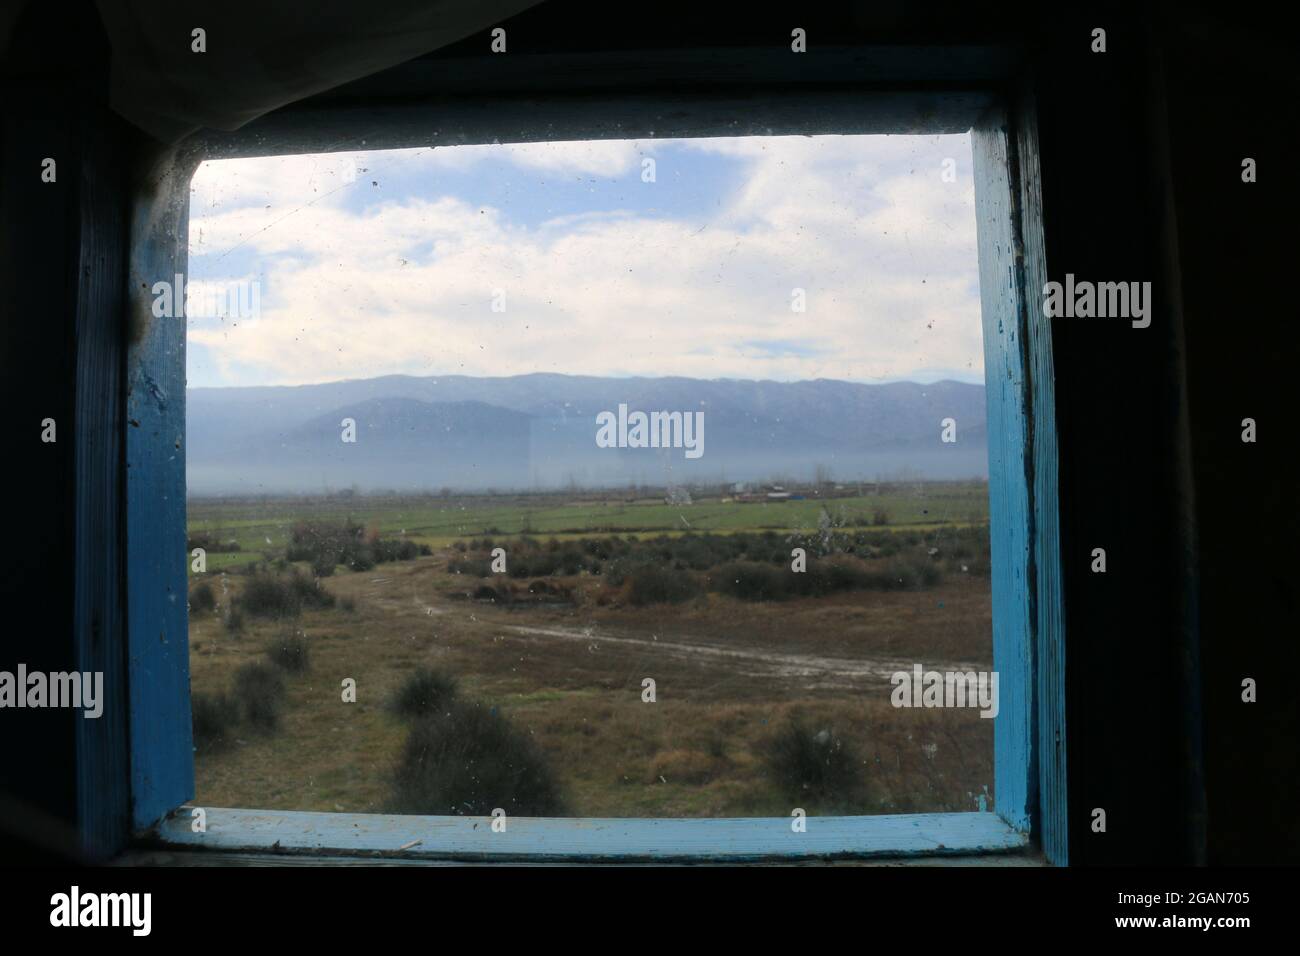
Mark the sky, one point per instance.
(507, 259)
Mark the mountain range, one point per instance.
(539, 431)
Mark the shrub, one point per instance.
(913, 574)
(821, 764)
(361, 560)
(200, 539)
(266, 595)
(308, 592)
(282, 596)
(201, 597)
(213, 717)
(478, 567)
(327, 544)
(571, 560)
(288, 651)
(694, 553)
(210, 541)
(656, 584)
(534, 564)
(259, 689)
(424, 692)
(750, 581)
(322, 540)
(834, 574)
(469, 761)
(398, 549)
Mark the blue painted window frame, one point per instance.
(1029, 734)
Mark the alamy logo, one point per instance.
(950, 689)
(238, 299)
(1098, 300)
(59, 689)
(653, 430)
(103, 909)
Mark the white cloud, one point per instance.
(884, 249)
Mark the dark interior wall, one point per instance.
(36, 231)
(1233, 96)
(1141, 150)
(62, 265)
(1141, 153)
(1118, 409)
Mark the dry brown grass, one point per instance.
(695, 752)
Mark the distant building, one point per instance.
(770, 493)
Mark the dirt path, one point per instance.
(825, 671)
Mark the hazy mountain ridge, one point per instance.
(539, 431)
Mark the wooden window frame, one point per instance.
(926, 90)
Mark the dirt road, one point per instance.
(751, 661)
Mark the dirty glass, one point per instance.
(612, 478)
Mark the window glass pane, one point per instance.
(615, 478)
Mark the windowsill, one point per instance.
(558, 840)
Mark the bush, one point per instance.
(259, 689)
(656, 584)
(288, 651)
(424, 692)
(213, 717)
(361, 560)
(308, 592)
(803, 763)
(478, 567)
(211, 542)
(660, 568)
(571, 560)
(556, 592)
(912, 575)
(834, 574)
(486, 592)
(398, 549)
(469, 761)
(201, 597)
(750, 581)
(266, 595)
(282, 596)
(319, 541)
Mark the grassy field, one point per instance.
(761, 704)
(264, 524)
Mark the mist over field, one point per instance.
(538, 432)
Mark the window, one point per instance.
(164, 769)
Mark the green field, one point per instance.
(263, 525)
